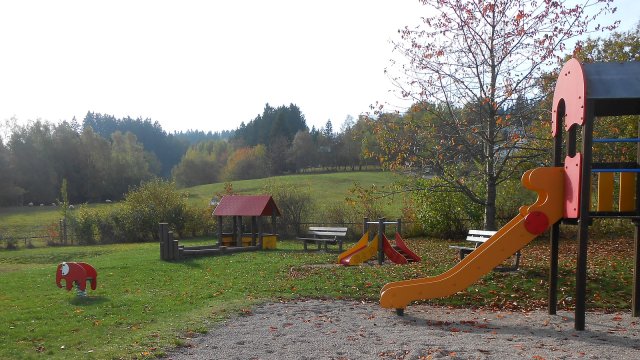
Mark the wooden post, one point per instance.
(234, 229)
(170, 254)
(64, 231)
(365, 225)
(219, 232)
(260, 232)
(399, 227)
(274, 224)
(173, 246)
(254, 228)
(239, 233)
(60, 231)
(380, 241)
(162, 234)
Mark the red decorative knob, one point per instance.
(536, 222)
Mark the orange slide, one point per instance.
(531, 221)
(362, 251)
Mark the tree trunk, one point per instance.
(490, 207)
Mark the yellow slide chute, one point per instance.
(528, 224)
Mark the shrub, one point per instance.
(149, 204)
(366, 202)
(83, 225)
(199, 221)
(445, 214)
(512, 195)
(295, 204)
(11, 244)
(411, 226)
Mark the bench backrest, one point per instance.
(480, 235)
(328, 231)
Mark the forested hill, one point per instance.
(275, 124)
(103, 156)
(167, 148)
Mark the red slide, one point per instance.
(400, 253)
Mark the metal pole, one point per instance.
(635, 302)
(583, 225)
(380, 241)
(555, 228)
(399, 226)
(365, 225)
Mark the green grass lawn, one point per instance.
(324, 188)
(143, 306)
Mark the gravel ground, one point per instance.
(318, 329)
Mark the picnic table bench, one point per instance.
(479, 237)
(324, 235)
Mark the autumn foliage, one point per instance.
(473, 70)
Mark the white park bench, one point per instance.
(479, 237)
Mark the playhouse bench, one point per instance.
(479, 237)
(324, 235)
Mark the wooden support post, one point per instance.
(260, 232)
(254, 228)
(239, 233)
(234, 229)
(162, 234)
(365, 226)
(274, 224)
(380, 242)
(399, 227)
(170, 254)
(220, 224)
(173, 244)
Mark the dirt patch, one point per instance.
(327, 329)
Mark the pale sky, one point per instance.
(206, 65)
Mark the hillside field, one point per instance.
(325, 189)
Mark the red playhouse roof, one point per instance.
(246, 205)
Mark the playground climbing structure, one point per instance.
(583, 93)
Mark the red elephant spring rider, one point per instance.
(79, 273)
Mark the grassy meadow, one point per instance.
(143, 306)
(324, 188)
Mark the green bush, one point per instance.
(411, 226)
(199, 222)
(511, 196)
(83, 225)
(446, 214)
(136, 218)
(151, 203)
(295, 203)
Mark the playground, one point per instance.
(146, 299)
